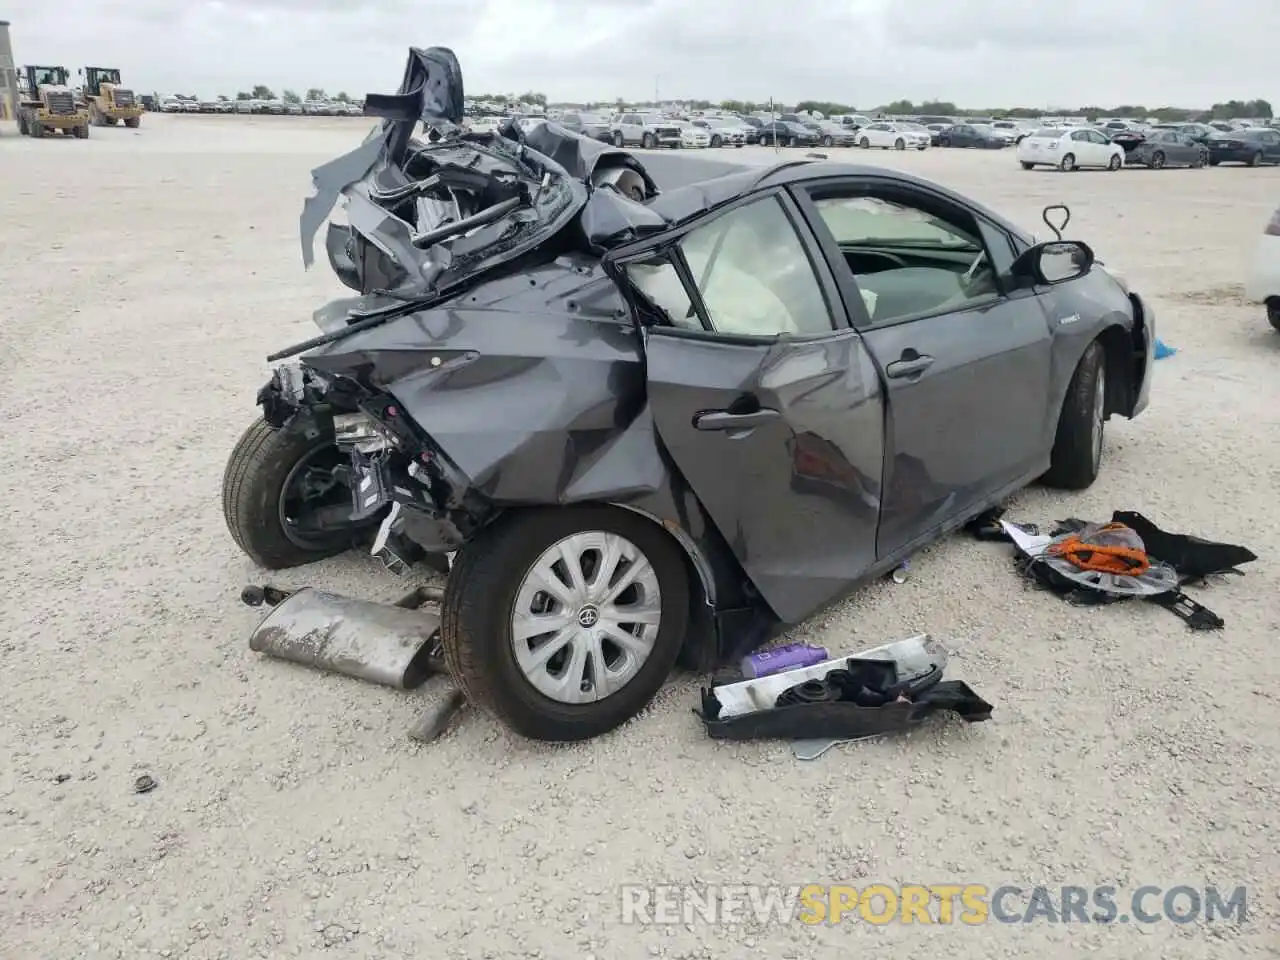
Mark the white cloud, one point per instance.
(865, 52)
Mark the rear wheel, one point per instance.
(133, 122)
(1157, 160)
(899, 144)
(648, 142)
(35, 127)
(1077, 448)
(1115, 163)
(717, 142)
(1027, 166)
(1256, 159)
(1068, 162)
(286, 500)
(565, 622)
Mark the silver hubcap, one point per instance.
(586, 617)
(1099, 416)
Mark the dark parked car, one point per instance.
(787, 133)
(588, 124)
(971, 135)
(1254, 146)
(935, 132)
(1130, 140)
(1167, 148)
(666, 426)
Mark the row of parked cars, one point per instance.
(1191, 145)
(315, 108)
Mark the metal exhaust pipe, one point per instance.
(380, 643)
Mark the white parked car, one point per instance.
(893, 136)
(1263, 285)
(1069, 149)
(726, 131)
(692, 137)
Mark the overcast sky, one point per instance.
(863, 52)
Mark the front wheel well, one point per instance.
(1124, 360)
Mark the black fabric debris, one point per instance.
(987, 526)
(1194, 558)
(865, 698)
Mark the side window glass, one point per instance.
(908, 262)
(1079, 135)
(658, 280)
(753, 274)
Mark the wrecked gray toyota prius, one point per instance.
(654, 425)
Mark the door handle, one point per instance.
(724, 420)
(908, 367)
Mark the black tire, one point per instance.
(619, 140)
(133, 122)
(1027, 166)
(83, 132)
(22, 123)
(1115, 163)
(899, 144)
(261, 463)
(828, 141)
(36, 129)
(648, 142)
(1256, 159)
(864, 143)
(478, 604)
(1077, 451)
(717, 142)
(1273, 313)
(1067, 163)
(1157, 160)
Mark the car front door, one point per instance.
(966, 359)
(766, 399)
(632, 127)
(1271, 145)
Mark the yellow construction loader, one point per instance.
(46, 104)
(108, 102)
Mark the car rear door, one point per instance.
(968, 375)
(765, 398)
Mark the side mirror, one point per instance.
(1055, 261)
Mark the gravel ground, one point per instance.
(152, 270)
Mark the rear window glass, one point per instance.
(1048, 133)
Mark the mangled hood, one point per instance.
(427, 216)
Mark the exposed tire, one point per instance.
(899, 144)
(82, 132)
(864, 143)
(1158, 160)
(1077, 448)
(1256, 159)
(1273, 313)
(619, 140)
(262, 462)
(133, 122)
(1067, 163)
(481, 604)
(1027, 166)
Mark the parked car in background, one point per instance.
(293, 109)
(692, 136)
(935, 121)
(482, 124)
(591, 125)
(1202, 133)
(1070, 149)
(1254, 147)
(728, 131)
(785, 133)
(244, 106)
(644, 130)
(1167, 148)
(935, 132)
(1009, 130)
(1128, 140)
(832, 134)
(975, 135)
(1263, 285)
(893, 136)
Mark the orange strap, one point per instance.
(1124, 561)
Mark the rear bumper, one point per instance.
(61, 120)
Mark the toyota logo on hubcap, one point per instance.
(588, 616)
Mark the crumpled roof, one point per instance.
(426, 215)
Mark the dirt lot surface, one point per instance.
(151, 271)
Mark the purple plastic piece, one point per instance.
(791, 657)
